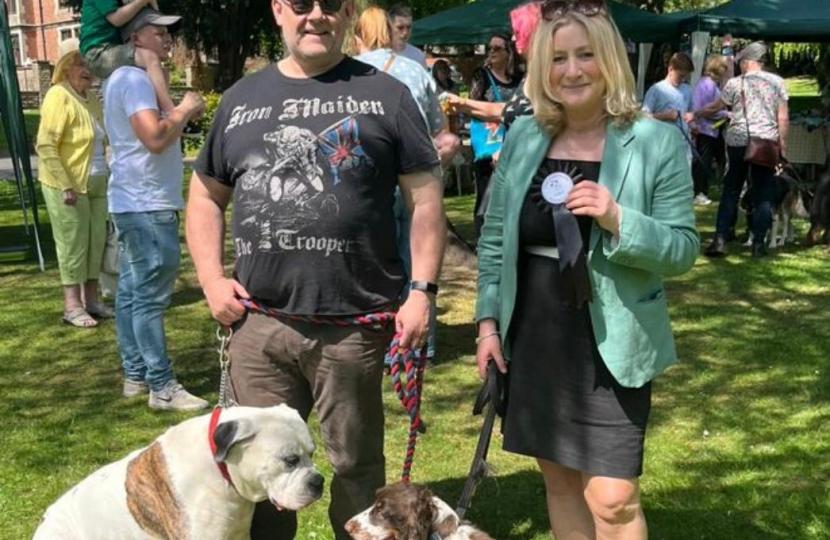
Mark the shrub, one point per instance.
(212, 99)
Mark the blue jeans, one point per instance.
(150, 256)
(762, 194)
(403, 222)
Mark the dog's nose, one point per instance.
(316, 482)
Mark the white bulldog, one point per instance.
(179, 488)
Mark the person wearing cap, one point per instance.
(145, 197)
(73, 176)
(311, 150)
(758, 100)
(103, 43)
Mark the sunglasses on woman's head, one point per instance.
(304, 7)
(553, 9)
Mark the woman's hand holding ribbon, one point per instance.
(588, 198)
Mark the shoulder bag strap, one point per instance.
(389, 61)
(746, 112)
(494, 85)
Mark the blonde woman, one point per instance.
(73, 175)
(591, 207)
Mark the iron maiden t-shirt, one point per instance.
(314, 166)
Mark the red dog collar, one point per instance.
(223, 467)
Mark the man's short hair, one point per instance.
(681, 62)
(399, 10)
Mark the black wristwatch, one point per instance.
(424, 286)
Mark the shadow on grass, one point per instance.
(512, 507)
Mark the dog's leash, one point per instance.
(407, 369)
(223, 335)
(491, 394)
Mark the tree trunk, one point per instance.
(233, 45)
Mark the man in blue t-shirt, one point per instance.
(669, 99)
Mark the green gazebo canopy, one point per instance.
(476, 22)
(773, 20)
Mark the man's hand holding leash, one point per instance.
(223, 295)
(412, 321)
(423, 193)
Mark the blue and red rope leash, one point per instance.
(407, 370)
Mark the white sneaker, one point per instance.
(702, 200)
(134, 388)
(174, 397)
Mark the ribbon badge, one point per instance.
(556, 187)
(550, 194)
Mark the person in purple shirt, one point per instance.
(708, 136)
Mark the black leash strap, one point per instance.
(491, 394)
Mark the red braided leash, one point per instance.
(411, 364)
(407, 369)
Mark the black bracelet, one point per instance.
(424, 286)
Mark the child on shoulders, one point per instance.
(104, 48)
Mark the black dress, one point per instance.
(564, 406)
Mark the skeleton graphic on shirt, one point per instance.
(289, 187)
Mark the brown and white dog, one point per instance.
(179, 488)
(410, 512)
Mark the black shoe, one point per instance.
(192, 130)
(759, 250)
(717, 248)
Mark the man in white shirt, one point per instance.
(400, 18)
(145, 197)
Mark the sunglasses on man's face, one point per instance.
(495, 48)
(553, 9)
(304, 7)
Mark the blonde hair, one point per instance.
(621, 103)
(373, 29)
(715, 65)
(62, 67)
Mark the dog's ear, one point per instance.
(228, 434)
(445, 522)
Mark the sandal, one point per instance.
(79, 318)
(100, 309)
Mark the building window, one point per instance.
(12, 7)
(68, 32)
(61, 7)
(17, 48)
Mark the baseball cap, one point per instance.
(754, 51)
(147, 16)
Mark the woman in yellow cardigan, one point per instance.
(73, 174)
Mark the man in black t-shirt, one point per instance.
(311, 150)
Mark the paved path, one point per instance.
(7, 169)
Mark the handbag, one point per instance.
(111, 263)
(763, 152)
(486, 138)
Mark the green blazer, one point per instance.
(644, 167)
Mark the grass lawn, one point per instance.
(739, 440)
(32, 119)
